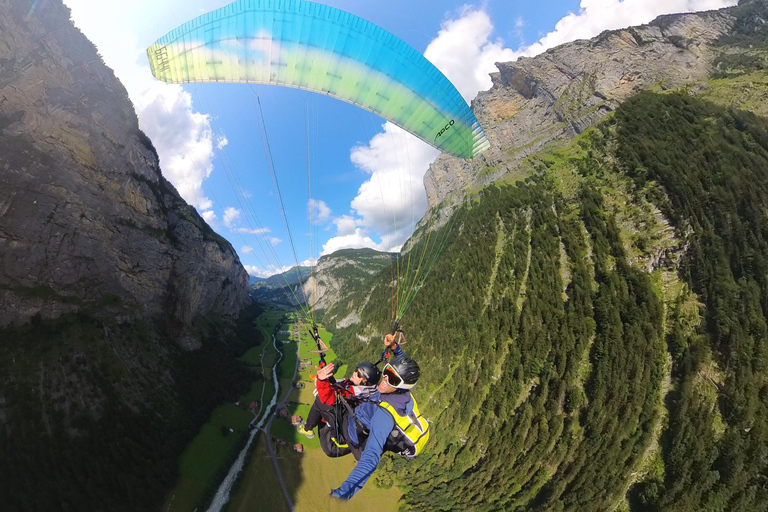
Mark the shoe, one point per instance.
(306, 433)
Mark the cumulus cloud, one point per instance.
(393, 199)
(258, 272)
(354, 240)
(183, 137)
(464, 51)
(269, 271)
(231, 216)
(318, 211)
(345, 225)
(209, 216)
(246, 249)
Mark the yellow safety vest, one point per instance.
(411, 432)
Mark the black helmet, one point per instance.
(406, 372)
(370, 373)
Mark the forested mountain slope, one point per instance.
(546, 366)
(594, 336)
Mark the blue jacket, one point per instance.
(380, 424)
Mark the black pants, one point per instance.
(319, 411)
(333, 433)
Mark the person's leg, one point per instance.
(315, 414)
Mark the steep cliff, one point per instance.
(87, 221)
(546, 100)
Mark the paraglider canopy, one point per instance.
(310, 46)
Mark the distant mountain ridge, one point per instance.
(287, 278)
(335, 277)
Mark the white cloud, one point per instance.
(221, 142)
(209, 216)
(257, 272)
(464, 52)
(345, 225)
(246, 249)
(519, 28)
(392, 200)
(182, 136)
(231, 216)
(354, 240)
(274, 240)
(318, 211)
(249, 231)
(270, 271)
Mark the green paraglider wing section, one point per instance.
(310, 46)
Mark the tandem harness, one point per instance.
(408, 437)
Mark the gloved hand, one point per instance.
(336, 494)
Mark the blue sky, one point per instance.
(365, 174)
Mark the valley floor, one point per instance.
(310, 475)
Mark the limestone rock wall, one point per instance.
(556, 95)
(87, 222)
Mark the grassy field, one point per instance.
(205, 455)
(259, 490)
(263, 490)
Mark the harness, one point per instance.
(408, 437)
(410, 434)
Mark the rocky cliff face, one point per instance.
(334, 286)
(537, 102)
(87, 222)
(338, 276)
